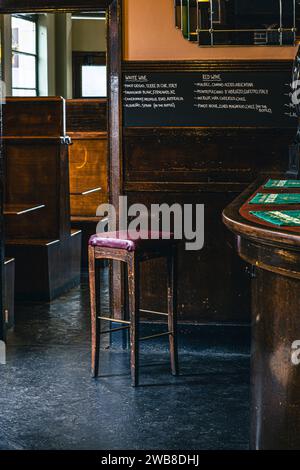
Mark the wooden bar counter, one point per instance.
(274, 254)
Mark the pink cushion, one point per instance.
(123, 240)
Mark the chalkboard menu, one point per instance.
(192, 99)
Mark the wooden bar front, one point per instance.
(274, 254)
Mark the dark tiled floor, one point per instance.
(49, 401)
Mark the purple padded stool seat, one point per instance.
(121, 246)
(123, 240)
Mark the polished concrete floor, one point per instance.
(49, 401)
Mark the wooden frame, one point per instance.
(2, 254)
(13, 6)
(115, 136)
(114, 59)
(32, 19)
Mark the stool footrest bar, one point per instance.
(156, 336)
(154, 313)
(114, 330)
(114, 320)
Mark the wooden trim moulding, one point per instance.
(19, 6)
(208, 66)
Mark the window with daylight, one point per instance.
(94, 81)
(24, 56)
(89, 74)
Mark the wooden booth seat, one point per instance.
(88, 174)
(87, 127)
(37, 198)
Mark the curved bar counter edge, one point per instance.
(274, 254)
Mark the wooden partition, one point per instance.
(113, 8)
(200, 166)
(37, 199)
(87, 127)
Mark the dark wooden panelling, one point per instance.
(45, 269)
(39, 117)
(213, 285)
(37, 173)
(2, 319)
(86, 115)
(208, 66)
(115, 125)
(88, 171)
(210, 167)
(87, 127)
(275, 409)
(32, 177)
(210, 156)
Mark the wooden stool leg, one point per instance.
(172, 309)
(126, 333)
(94, 276)
(134, 307)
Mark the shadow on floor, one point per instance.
(49, 401)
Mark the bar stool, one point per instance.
(119, 246)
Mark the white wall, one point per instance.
(89, 35)
(5, 23)
(150, 34)
(63, 49)
(47, 66)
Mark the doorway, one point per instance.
(59, 63)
